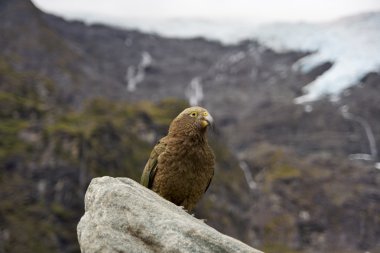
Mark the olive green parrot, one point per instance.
(181, 165)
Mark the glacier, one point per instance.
(352, 44)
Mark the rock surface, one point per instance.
(123, 216)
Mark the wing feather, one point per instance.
(150, 169)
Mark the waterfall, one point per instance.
(136, 75)
(194, 91)
(146, 60)
(248, 175)
(367, 129)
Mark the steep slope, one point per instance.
(29, 44)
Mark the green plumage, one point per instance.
(181, 165)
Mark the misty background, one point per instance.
(88, 87)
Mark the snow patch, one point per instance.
(235, 58)
(308, 108)
(364, 157)
(352, 44)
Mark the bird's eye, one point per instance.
(193, 114)
(205, 114)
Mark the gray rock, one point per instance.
(123, 216)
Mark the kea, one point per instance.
(181, 165)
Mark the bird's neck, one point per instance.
(190, 139)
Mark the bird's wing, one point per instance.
(151, 166)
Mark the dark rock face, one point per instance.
(73, 106)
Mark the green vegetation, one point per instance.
(108, 138)
(49, 153)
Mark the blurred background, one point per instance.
(88, 87)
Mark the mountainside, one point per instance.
(82, 101)
(350, 42)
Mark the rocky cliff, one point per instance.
(123, 216)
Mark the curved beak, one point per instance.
(206, 121)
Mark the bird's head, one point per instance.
(191, 122)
